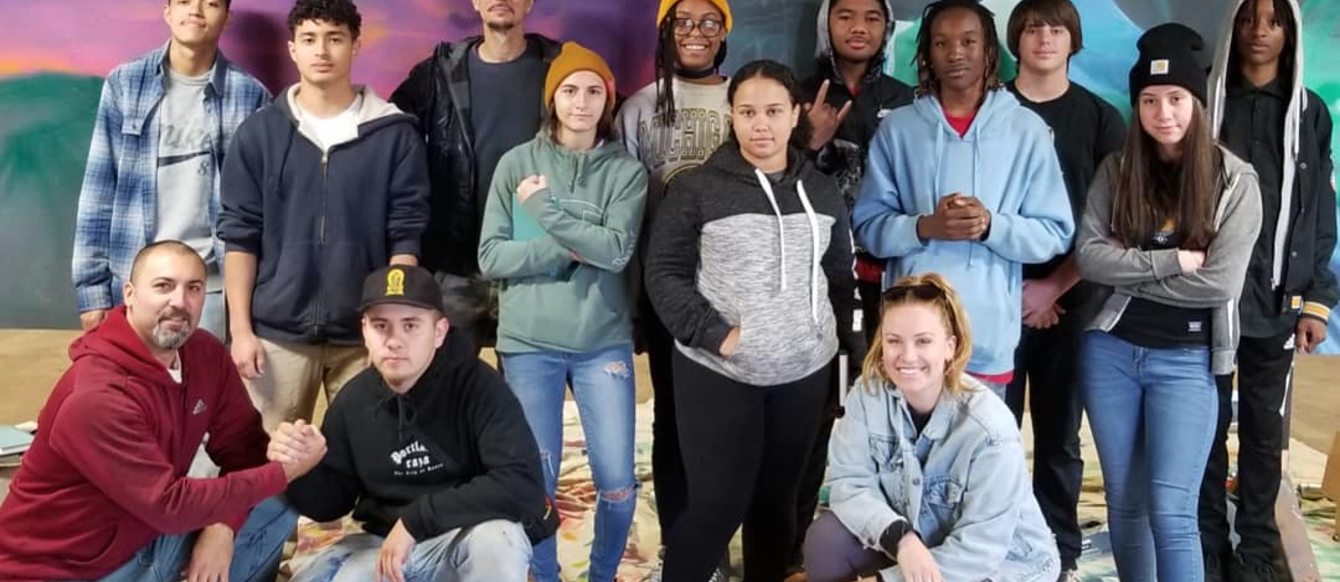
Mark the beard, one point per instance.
(172, 339)
(501, 27)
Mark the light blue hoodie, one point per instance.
(1008, 161)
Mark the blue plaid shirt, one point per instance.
(118, 202)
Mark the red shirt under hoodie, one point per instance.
(106, 472)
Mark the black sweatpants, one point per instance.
(1046, 360)
(1265, 369)
(667, 464)
(745, 448)
(807, 500)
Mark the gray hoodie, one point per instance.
(1157, 274)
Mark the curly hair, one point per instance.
(337, 12)
(927, 82)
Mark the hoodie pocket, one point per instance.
(284, 290)
(775, 340)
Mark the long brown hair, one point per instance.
(933, 291)
(1140, 207)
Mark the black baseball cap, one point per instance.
(402, 284)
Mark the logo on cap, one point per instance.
(395, 282)
(1158, 67)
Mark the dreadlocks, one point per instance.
(667, 63)
(927, 82)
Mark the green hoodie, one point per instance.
(560, 255)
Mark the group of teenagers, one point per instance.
(973, 247)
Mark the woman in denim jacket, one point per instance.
(926, 470)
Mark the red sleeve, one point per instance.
(103, 433)
(237, 440)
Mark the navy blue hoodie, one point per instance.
(320, 221)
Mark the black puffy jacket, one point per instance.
(438, 93)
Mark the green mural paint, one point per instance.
(44, 141)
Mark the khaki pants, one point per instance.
(295, 373)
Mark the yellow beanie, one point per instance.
(573, 58)
(721, 5)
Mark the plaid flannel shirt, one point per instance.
(118, 201)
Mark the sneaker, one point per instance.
(719, 575)
(1071, 575)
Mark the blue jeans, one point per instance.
(486, 552)
(602, 385)
(256, 549)
(1153, 414)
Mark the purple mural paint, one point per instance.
(90, 37)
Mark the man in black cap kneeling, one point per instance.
(427, 447)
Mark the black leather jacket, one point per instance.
(438, 93)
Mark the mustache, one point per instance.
(174, 313)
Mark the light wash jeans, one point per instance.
(256, 549)
(602, 384)
(492, 551)
(1153, 415)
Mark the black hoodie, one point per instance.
(453, 451)
(844, 156)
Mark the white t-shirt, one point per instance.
(329, 132)
(175, 369)
(186, 169)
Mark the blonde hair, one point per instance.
(933, 291)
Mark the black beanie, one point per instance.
(1170, 54)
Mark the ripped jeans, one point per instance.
(602, 384)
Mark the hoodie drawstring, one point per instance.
(766, 184)
(814, 250)
(781, 228)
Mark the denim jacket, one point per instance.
(962, 483)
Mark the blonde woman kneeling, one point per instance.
(927, 472)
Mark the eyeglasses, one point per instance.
(708, 27)
(921, 291)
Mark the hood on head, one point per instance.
(1219, 73)
(823, 45)
(1293, 117)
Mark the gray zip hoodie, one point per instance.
(1157, 275)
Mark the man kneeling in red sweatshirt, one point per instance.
(103, 492)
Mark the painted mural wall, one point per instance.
(54, 54)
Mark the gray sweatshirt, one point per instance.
(732, 247)
(1156, 275)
